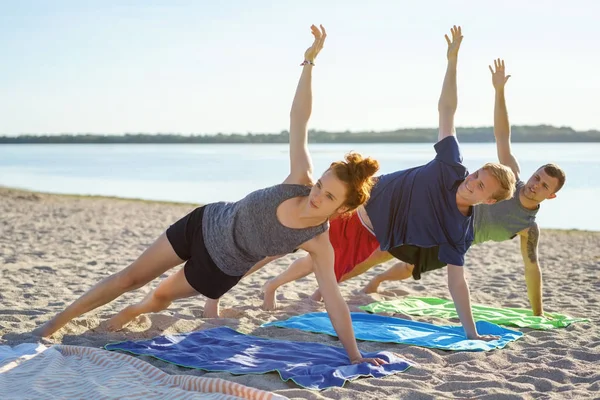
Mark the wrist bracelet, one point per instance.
(308, 62)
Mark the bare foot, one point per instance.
(316, 296)
(371, 287)
(269, 301)
(211, 308)
(125, 316)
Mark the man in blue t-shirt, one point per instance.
(396, 208)
(418, 209)
(496, 222)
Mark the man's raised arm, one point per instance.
(501, 124)
(449, 98)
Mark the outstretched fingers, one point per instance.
(320, 35)
(499, 76)
(456, 32)
(375, 361)
(454, 43)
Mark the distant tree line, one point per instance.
(539, 133)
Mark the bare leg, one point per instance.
(317, 296)
(174, 287)
(398, 272)
(376, 258)
(261, 264)
(299, 269)
(211, 307)
(157, 259)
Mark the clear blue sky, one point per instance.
(232, 66)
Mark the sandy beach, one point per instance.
(54, 247)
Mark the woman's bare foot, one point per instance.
(372, 286)
(125, 316)
(211, 308)
(316, 296)
(269, 301)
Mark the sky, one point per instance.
(113, 67)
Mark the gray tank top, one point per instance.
(238, 235)
(502, 221)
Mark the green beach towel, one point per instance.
(442, 308)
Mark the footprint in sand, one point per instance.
(197, 312)
(11, 318)
(232, 313)
(44, 268)
(584, 356)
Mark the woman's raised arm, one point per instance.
(300, 160)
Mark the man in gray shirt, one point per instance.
(497, 222)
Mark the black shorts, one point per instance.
(200, 270)
(423, 258)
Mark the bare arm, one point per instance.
(449, 98)
(501, 124)
(322, 254)
(300, 161)
(374, 259)
(261, 264)
(459, 290)
(533, 272)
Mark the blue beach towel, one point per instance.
(378, 328)
(310, 365)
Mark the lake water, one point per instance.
(202, 173)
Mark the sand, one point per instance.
(54, 247)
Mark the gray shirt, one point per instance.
(238, 235)
(502, 221)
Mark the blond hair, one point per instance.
(505, 177)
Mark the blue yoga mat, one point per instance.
(310, 365)
(378, 328)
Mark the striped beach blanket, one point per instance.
(71, 372)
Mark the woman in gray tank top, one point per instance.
(222, 241)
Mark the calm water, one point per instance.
(201, 173)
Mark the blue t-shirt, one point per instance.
(417, 206)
